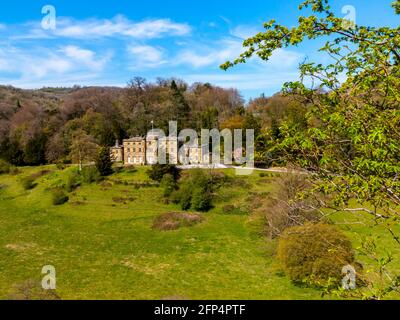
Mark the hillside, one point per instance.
(104, 247)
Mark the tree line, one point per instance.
(68, 125)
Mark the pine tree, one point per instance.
(103, 162)
(180, 105)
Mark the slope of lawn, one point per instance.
(103, 245)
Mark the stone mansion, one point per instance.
(145, 150)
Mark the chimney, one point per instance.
(117, 143)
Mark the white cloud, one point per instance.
(229, 49)
(245, 31)
(86, 57)
(284, 59)
(146, 56)
(78, 53)
(119, 26)
(35, 64)
(203, 56)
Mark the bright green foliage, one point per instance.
(314, 254)
(83, 148)
(352, 139)
(396, 6)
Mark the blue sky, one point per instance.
(109, 42)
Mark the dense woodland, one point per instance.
(47, 125)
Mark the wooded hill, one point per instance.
(40, 126)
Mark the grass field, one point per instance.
(105, 248)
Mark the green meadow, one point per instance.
(103, 246)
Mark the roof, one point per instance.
(134, 139)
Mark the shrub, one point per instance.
(169, 185)
(72, 181)
(4, 167)
(314, 254)
(201, 200)
(175, 220)
(28, 183)
(90, 174)
(158, 171)
(263, 174)
(59, 197)
(183, 196)
(195, 191)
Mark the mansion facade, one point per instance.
(146, 151)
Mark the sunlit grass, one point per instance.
(105, 248)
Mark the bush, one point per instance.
(314, 254)
(195, 191)
(90, 174)
(183, 196)
(4, 167)
(201, 200)
(158, 171)
(169, 185)
(72, 181)
(175, 220)
(59, 197)
(28, 183)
